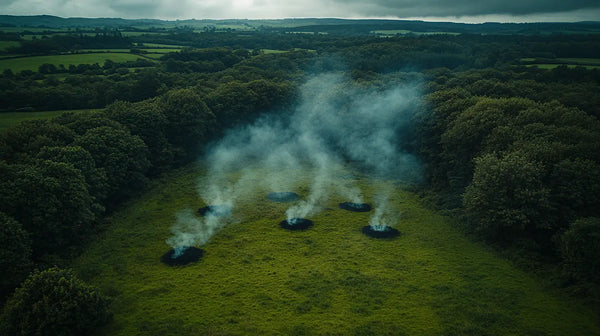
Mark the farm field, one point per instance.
(158, 45)
(256, 278)
(34, 62)
(404, 32)
(10, 119)
(588, 63)
(552, 66)
(8, 44)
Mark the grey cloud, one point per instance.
(185, 9)
(467, 7)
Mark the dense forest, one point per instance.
(511, 150)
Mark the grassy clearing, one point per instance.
(256, 278)
(8, 44)
(585, 61)
(33, 63)
(105, 50)
(158, 45)
(275, 51)
(10, 119)
(393, 32)
(161, 50)
(154, 56)
(553, 66)
(138, 33)
(404, 32)
(588, 63)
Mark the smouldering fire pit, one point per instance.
(215, 210)
(283, 196)
(358, 207)
(380, 231)
(296, 224)
(180, 256)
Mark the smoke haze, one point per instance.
(335, 123)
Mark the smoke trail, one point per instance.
(192, 231)
(335, 122)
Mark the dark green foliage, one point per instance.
(529, 168)
(236, 102)
(579, 249)
(54, 302)
(189, 122)
(25, 140)
(148, 121)
(122, 156)
(81, 123)
(506, 199)
(50, 200)
(95, 178)
(15, 254)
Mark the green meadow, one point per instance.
(8, 44)
(588, 63)
(553, 66)
(158, 45)
(34, 62)
(258, 279)
(10, 119)
(404, 32)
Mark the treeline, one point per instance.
(519, 152)
(59, 176)
(95, 86)
(58, 43)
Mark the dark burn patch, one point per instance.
(283, 196)
(380, 231)
(357, 207)
(296, 224)
(184, 257)
(215, 210)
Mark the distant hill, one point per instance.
(325, 25)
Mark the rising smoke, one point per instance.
(335, 122)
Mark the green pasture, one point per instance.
(161, 50)
(588, 63)
(553, 66)
(583, 61)
(8, 44)
(10, 119)
(258, 279)
(139, 33)
(158, 45)
(275, 51)
(404, 32)
(33, 63)
(154, 56)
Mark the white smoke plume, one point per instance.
(336, 122)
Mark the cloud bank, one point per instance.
(519, 10)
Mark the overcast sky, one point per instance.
(433, 10)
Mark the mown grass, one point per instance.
(258, 279)
(10, 119)
(33, 63)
